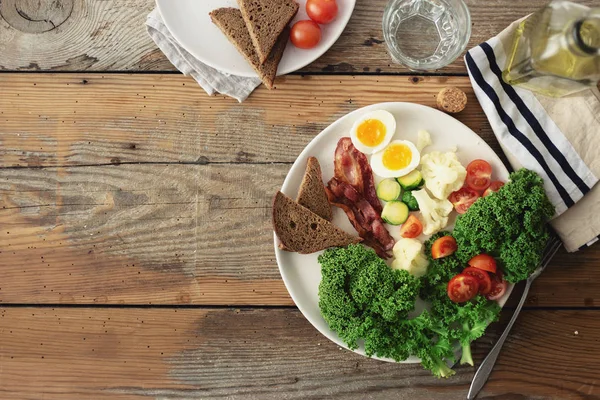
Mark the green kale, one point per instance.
(510, 225)
(410, 201)
(434, 284)
(360, 297)
(465, 321)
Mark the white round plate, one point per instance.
(301, 273)
(190, 24)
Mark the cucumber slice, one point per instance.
(411, 181)
(388, 190)
(395, 213)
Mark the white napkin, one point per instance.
(558, 138)
(209, 78)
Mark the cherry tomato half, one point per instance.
(321, 11)
(479, 173)
(462, 288)
(305, 34)
(483, 279)
(443, 247)
(483, 262)
(411, 228)
(499, 286)
(462, 199)
(494, 187)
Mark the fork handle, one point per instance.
(482, 374)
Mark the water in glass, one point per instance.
(426, 34)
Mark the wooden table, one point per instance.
(136, 248)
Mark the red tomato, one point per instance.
(321, 11)
(443, 247)
(462, 288)
(483, 279)
(479, 173)
(305, 34)
(483, 262)
(494, 187)
(411, 228)
(462, 199)
(498, 287)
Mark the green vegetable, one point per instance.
(388, 190)
(510, 225)
(360, 297)
(411, 181)
(410, 200)
(394, 212)
(466, 321)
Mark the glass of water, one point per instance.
(426, 34)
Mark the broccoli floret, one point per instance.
(510, 225)
(410, 201)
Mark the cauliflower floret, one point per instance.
(443, 173)
(423, 140)
(434, 212)
(408, 254)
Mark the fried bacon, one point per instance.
(352, 167)
(365, 218)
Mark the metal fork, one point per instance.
(482, 374)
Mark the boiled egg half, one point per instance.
(397, 159)
(373, 131)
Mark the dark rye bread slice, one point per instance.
(231, 23)
(266, 20)
(303, 231)
(312, 191)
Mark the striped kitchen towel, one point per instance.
(557, 138)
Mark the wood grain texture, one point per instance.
(110, 35)
(82, 222)
(149, 234)
(173, 234)
(270, 354)
(74, 119)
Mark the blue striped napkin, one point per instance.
(557, 138)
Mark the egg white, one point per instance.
(388, 121)
(381, 170)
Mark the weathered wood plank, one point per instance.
(270, 354)
(172, 234)
(110, 35)
(152, 234)
(74, 119)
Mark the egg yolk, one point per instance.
(396, 156)
(371, 132)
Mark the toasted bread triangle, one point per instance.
(266, 20)
(312, 193)
(303, 231)
(231, 23)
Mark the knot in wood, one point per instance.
(35, 16)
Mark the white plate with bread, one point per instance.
(190, 23)
(301, 273)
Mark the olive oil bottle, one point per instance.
(556, 50)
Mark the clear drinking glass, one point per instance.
(426, 34)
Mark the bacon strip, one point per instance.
(365, 219)
(352, 167)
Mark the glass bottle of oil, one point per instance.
(556, 50)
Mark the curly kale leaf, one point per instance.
(510, 225)
(360, 297)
